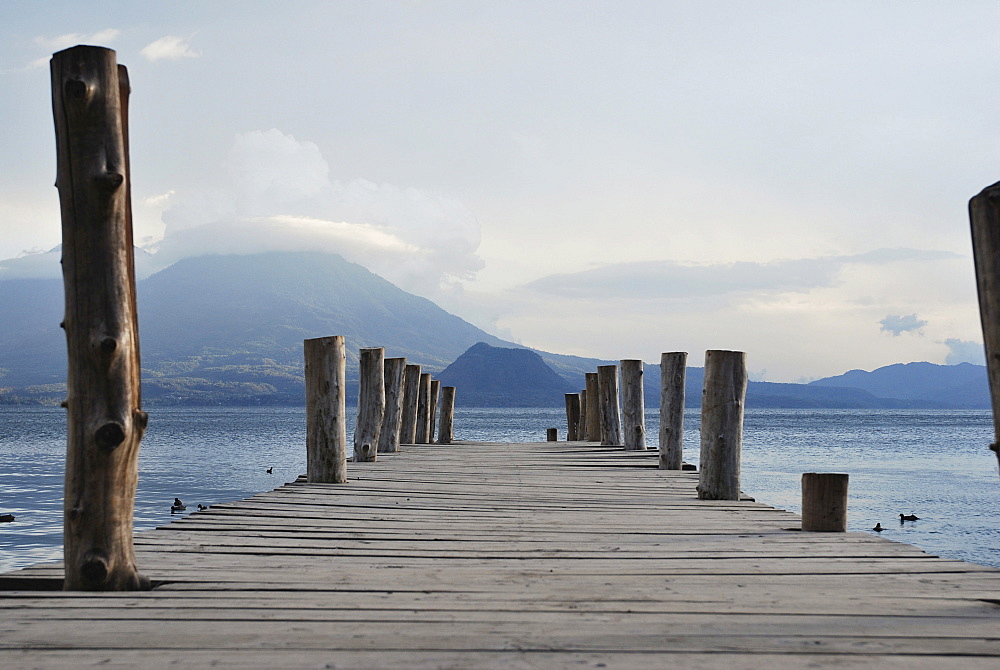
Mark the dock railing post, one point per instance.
(424, 409)
(593, 408)
(824, 502)
(984, 216)
(105, 421)
(411, 391)
(611, 422)
(673, 370)
(552, 434)
(447, 430)
(371, 403)
(633, 406)
(435, 397)
(572, 417)
(581, 430)
(722, 424)
(388, 436)
(326, 412)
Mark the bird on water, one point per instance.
(178, 506)
(6, 518)
(878, 527)
(908, 517)
(270, 470)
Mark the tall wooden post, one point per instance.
(572, 417)
(722, 425)
(435, 395)
(824, 502)
(633, 406)
(326, 413)
(411, 390)
(581, 432)
(388, 436)
(424, 409)
(593, 408)
(105, 421)
(673, 370)
(371, 403)
(984, 215)
(607, 388)
(447, 431)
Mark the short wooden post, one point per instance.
(447, 430)
(722, 425)
(392, 419)
(633, 406)
(611, 422)
(552, 434)
(424, 408)
(572, 416)
(105, 421)
(581, 431)
(824, 502)
(371, 403)
(593, 408)
(326, 412)
(984, 215)
(435, 396)
(411, 391)
(673, 370)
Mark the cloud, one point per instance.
(60, 42)
(670, 279)
(963, 351)
(170, 47)
(278, 195)
(897, 325)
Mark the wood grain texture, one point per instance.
(673, 373)
(526, 555)
(105, 421)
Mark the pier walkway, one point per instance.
(542, 555)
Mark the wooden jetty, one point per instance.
(550, 554)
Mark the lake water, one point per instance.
(934, 464)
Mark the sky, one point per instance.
(608, 179)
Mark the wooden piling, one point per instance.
(446, 432)
(824, 502)
(435, 396)
(593, 408)
(581, 433)
(392, 419)
(633, 406)
(326, 412)
(673, 370)
(984, 216)
(105, 421)
(572, 416)
(551, 434)
(411, 391)
(722, 425)
(611, 422)
(371, 403)
(424, 409)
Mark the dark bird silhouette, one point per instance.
(201, 507)
(878, 528)
(908, 517)
(270, 470)
(6, 518)
(178, 506)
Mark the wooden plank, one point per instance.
(536, 554)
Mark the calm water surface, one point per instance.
(934, 464)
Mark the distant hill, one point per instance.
(962, 386)
(499, 377)
(229, 330)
